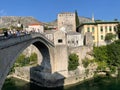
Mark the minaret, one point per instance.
(93, 19)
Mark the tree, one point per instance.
(118, 30)
(73, 61)
(77, 19)
(114, 54)
(109, 37)
(33, 58)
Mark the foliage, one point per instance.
(102, 66)
(100, 53)
(33, 58)
(73, 61)
(113, 69)
(77, 19)
(4, 29)
(22, 60)
(114, 54)
(86, 62)
(17, 28)
(109, 37)
(108, 56)
(118, 28)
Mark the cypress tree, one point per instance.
(77, 18)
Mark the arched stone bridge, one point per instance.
(54, 64)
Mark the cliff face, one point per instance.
(7, 21)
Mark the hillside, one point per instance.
(81, 20)
(7, 21)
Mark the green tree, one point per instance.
(73, 61)
(77, 19)
(20, 60)
(101, 54)
(108, 56)
(33, 58)
(114, 54)
(109, 37)
(118, 30)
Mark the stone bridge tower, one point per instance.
(67, 20)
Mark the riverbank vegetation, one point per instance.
(22, 60)
(73, 61)
(108, 57)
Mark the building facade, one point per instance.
(74, 39)
(99, 30)
(35, 28)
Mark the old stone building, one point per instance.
(56, 36)
(67, 20)
(74, 39)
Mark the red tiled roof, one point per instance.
(34, 24)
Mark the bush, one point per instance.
(85, 62)
(73, 61)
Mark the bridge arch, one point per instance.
(9, 54)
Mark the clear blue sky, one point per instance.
(47, 10)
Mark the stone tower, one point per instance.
(67, 21)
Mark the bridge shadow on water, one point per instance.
(44, 80)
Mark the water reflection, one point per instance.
(99, 83)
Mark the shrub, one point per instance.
(73, 61)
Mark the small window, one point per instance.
(115, 28)
(101, 29)
(92, 29)
(59, 40)
(110, 28)
(93, 37)
(88, 29)
(72, 41)
(105, 28)
(77, 41)
(68, 41)
(101, 37)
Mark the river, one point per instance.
(99, 83)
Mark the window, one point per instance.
(68, 41)
(115, 28)
(77, 41)
(93, 37)
(101, 28)
(101, 37)
(92, 29)
(88, 29)
(110, 28)
(59, 40)
(105, 28)
(72, 41)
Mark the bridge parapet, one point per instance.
(18, 39)
(14, 40)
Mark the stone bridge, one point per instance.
(54, 62)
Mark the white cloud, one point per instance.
(3, 12)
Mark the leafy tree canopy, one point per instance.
(109, 37)
(73, 61)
